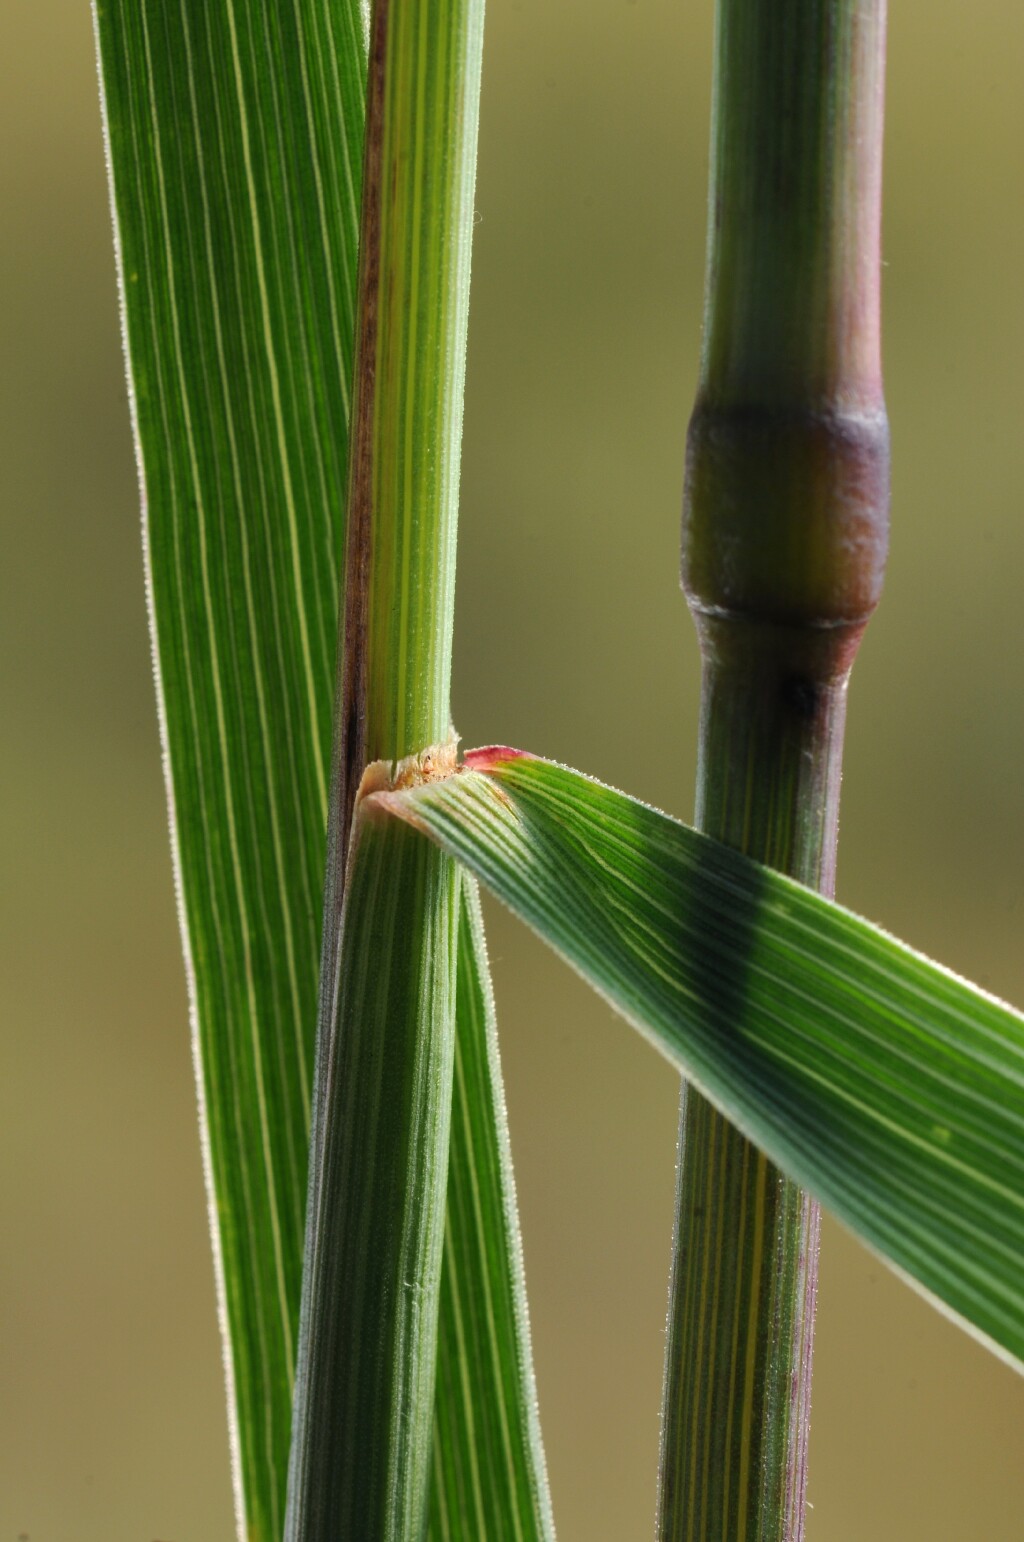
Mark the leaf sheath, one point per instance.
(364, 1398)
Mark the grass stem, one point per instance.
(784, 542)
(360, 1462)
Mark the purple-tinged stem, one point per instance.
(784, 543)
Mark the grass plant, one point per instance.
(295, 422)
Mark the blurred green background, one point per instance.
(572, 639)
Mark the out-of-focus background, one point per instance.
(572, 640)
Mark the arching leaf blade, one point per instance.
(888, 1086)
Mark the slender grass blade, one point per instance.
(235, 145)
(886, 1085)
(489, 1471)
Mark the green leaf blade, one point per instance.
(883, 1083)
(237, 305)
(489, 1475)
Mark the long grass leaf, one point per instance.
(889, 1087)
(235, 147)
(489, 1475)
